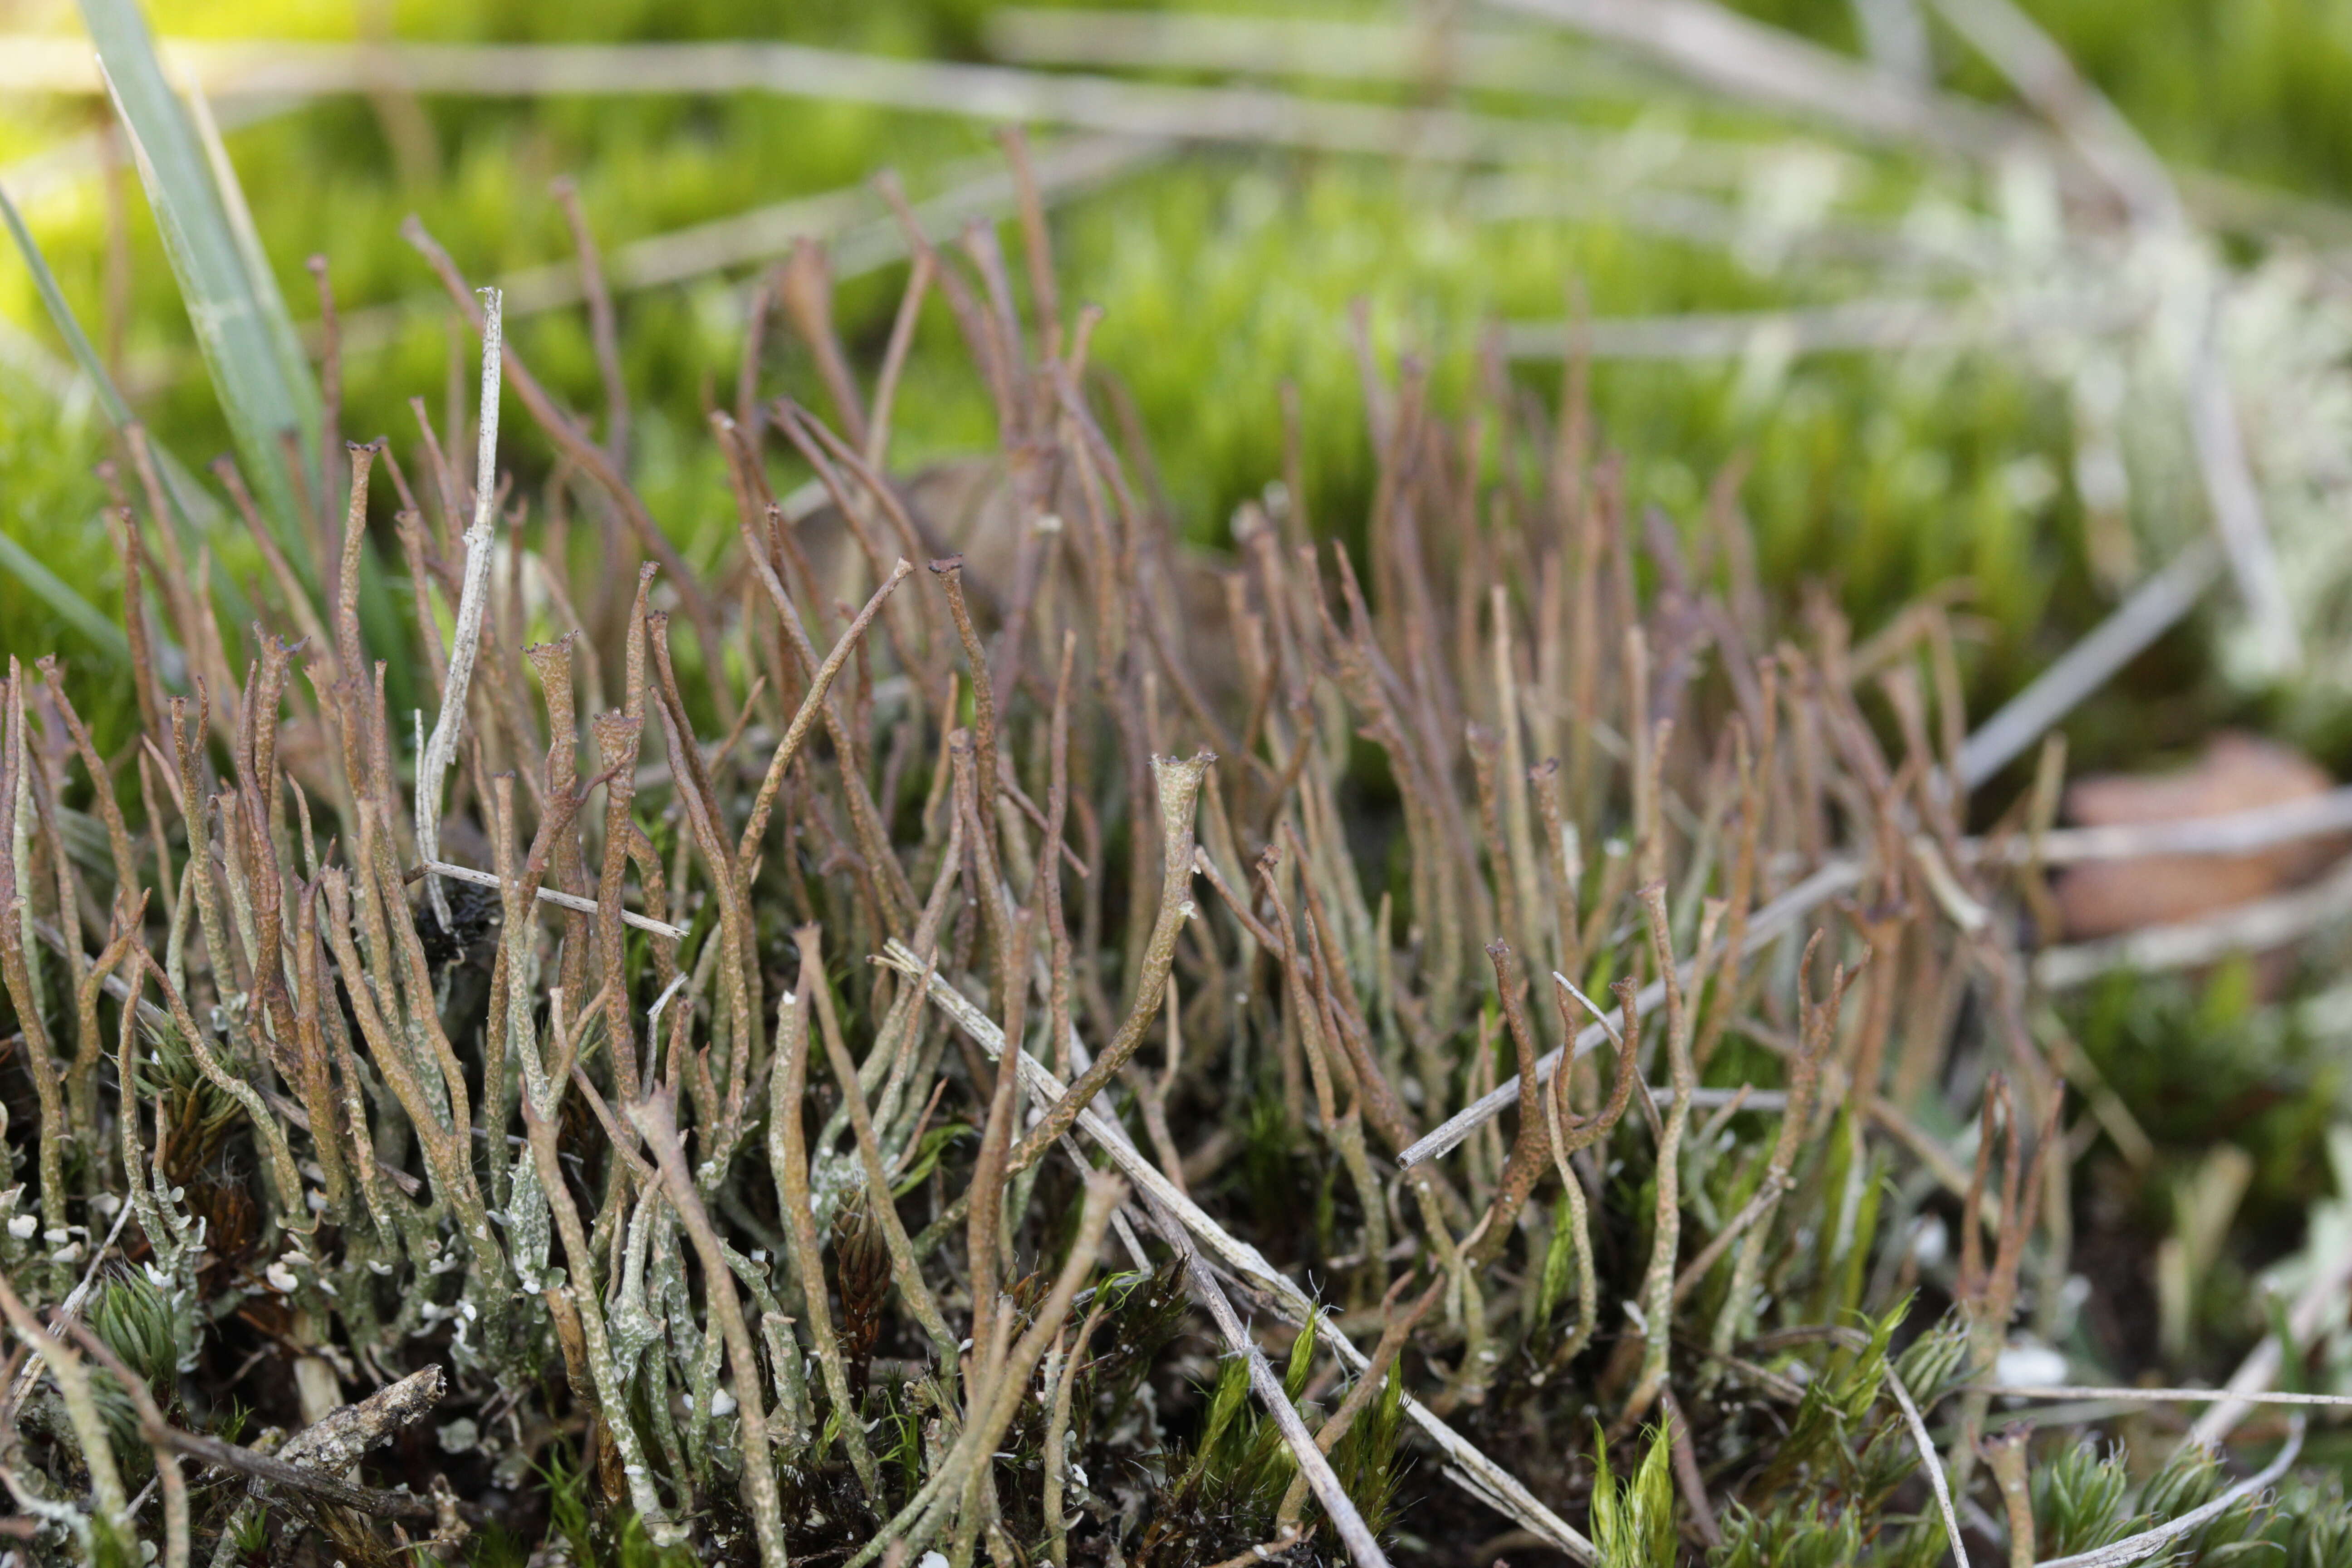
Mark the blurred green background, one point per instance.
(1223, 274)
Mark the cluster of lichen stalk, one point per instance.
(777, 879)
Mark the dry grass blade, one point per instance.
(817, 1307)
(1487, 1480)
(1765, 927)
(2256, 927)
(441, 748)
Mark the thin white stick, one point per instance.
(2151, 611)
(1495, 59)
(992, 92)
(2235, 502)
(2228, 833)
(435, 764)
(561, 900)
(1732, 54)
(1479, 1475)
(1933, 1466)
(1849, 326)
(851, 222)
(2254, 1374)
(2157, 1396)
(1748, 1099)
(1337, 1506)
(2254, 927)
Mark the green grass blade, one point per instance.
(76, 610)
(292, 361)
(232, 324)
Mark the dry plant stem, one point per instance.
(2005, 1453)
(655, 1117)
(1264, 1552)
(2152, 609)
(806, 714)
(607, 1395)
(1568, 1137)
(1179, 785)
(932, 1508)
(584, 454)
(1821, 1034)
(2071, 1391)
(442, 748)
(788, 1158)
(277, 1472)
(602, 333)
(1927, 1461)
(1530, 1147)
(1688, 1478)
(1485, 1479)
(1765, 928)
(16, 911)
(1657, 1286)
(562, 900)
(880, 1204)
(1057, 1427)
